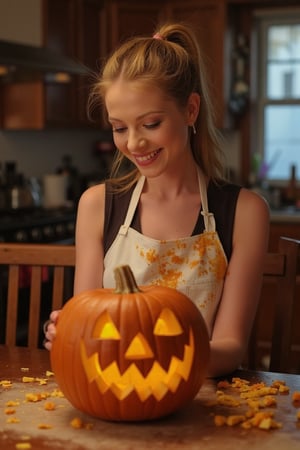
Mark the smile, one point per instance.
(148, 157)
(158, 382)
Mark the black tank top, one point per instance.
(222, 201)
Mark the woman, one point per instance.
(173, 218)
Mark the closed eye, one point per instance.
(119, 129)
(152, 125)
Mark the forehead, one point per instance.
(135, 98)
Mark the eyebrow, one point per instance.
(141, 116)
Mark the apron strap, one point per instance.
(209, 220)
(132, 206)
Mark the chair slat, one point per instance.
(37, 256)
(12, 304)
(34, 306)
(58, 287)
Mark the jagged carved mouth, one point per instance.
(158, 382)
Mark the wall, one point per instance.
(39, 152)
(20, 21)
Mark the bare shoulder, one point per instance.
(93, 197)
(252, 218)
(91, 208)
(249, 202)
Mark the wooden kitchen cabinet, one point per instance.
(75, 34)
(88, 30)
(91, 49)
(209, 17)
(132, 17)
(70, 27)
(287, 229)
(59, 34)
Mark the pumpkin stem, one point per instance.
(125, 281)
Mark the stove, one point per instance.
(38, 225)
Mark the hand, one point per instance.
(50, 329)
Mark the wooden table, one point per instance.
(191, 428)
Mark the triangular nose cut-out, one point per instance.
(167, 324)
(139, 348)
(105, 328)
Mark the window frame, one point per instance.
(263, 19)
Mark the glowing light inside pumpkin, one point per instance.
(105, 328)
(139, 348)
(158, 381)
(167, 324)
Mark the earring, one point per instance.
(194, 129)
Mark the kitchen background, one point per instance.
(44, 128)
(40, 152)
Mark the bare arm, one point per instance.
(89, 249)
(89, 240)
(242, 284)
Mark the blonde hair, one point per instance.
(170, 60)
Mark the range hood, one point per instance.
(27, 58)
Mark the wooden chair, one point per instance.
(58, 260)
(283, 268)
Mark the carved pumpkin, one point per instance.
(130, 353)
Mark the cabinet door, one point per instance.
(129, 18)
(23, 106)
(208, 18)
(91, 49)
(60, 35)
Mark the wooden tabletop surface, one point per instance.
(30, 424)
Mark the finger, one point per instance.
(51, 331)
(47, 344)
(46, 325)
(54, 315)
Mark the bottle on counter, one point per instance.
(291, 190)
(2, 188)
(72, 178)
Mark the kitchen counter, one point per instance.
(191, 428)
(285, 215)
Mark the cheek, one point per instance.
(178, 139)
(120, 141)
(177, 130)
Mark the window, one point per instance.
(278, 92)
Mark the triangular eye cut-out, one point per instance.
(105, 328)
(139, 348)
(167, 324)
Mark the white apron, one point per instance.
(195, 265)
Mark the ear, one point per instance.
(193, 107)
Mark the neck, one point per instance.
(174, 183)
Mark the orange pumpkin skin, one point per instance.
(105, 378)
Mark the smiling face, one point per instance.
(149, 129)
(158, 381)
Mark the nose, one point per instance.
(139, 348)
(135, 142)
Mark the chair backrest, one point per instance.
(36, 262)
(284, 268)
